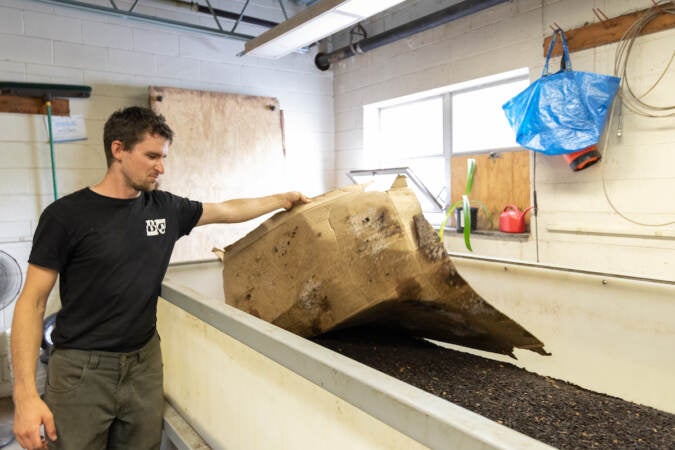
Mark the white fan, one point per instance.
(10, 279)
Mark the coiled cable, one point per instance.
(627, 96)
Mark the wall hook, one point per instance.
(657, 5)
(556, 28)
(602, 17)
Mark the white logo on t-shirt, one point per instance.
(153, 227)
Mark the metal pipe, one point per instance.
(459, 10)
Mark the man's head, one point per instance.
(136, 142)
(130, 126)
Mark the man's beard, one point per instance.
(146, 188)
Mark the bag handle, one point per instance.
(566, 63)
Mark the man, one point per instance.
(111, 245)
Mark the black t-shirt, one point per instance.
(111, 255)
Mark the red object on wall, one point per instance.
(583, 158)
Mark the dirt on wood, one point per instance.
(552, 411)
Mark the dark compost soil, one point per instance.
(552, 411)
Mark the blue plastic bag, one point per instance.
(562, 112)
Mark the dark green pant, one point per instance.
(105, 400)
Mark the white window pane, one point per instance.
(425, 178)
(478, 121)
(431, 171)
(412, 129)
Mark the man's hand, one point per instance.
(293, 198)
(29, 414)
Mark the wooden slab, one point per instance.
(225, 146)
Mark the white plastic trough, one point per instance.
(607, 333)
(243, 383)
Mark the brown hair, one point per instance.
(129, 125)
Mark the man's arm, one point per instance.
(30, 411)
(243, 209)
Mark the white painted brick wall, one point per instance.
(178, 67)
(13, 230)
(210, 48)
(158, 42)
(131, 62)
(119, 58)
(27, 5)
(106, 35)
(52, 26)
(211, 72)
(11, 20)
(54, 74)
(17, 48)
(12, 68)
(79, 55)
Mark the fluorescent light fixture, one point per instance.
(313, 24)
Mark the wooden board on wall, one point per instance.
(225, 146)
(498, 181)
(611, 30)
(32, 105)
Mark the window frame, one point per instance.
(372, 130)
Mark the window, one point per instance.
(425, 117)
(478, 121)
(430, 132)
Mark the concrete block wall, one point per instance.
(119, 58)
(576, 225)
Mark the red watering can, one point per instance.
(512, 220)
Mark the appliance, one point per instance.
(10, 279)
(13, 266)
